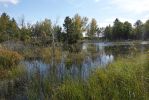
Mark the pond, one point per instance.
(92, 55)
(76, 66)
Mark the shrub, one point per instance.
(9, 58)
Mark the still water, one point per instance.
(96, 55)
(78, 66)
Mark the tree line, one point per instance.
(125, 31)
(71, 31)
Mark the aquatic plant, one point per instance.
(47, 54)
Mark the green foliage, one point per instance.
(108, 32)
(79, 25)
(58, 34)
(125, 31)
(138, 31)
(117, 29)
(8, 27)
(73, 30)
(146, 28)
(68, 26)
(4, 22)
(74, 27)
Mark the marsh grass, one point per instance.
(30, 52)
(125, 79)
(12, 73)
(47, 54)
(9, 59)
(70, 57)
(75, 57)
(72, 90)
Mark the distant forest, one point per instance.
(71, 31)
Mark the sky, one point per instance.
(104, 11)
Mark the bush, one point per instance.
(9, 59)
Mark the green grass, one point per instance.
(123, 80)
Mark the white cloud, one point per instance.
(136, 6)
(9, 1)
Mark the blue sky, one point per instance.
(104, 11)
